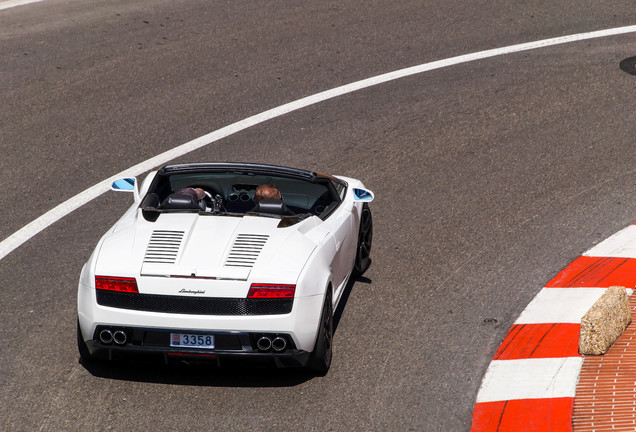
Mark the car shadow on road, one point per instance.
(197, 374)
(345, 297)
(202, 374)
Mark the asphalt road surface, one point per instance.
(490, 177)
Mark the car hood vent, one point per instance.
(245, 250)
(163, 247)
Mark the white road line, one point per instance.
(27, 232)
(14, 3)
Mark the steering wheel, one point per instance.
(213, 202)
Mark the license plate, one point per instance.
(189, 340)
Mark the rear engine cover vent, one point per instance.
(245, 250)
(163, 247)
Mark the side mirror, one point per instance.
(362, 195)
(126, 185)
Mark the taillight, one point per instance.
(271, 291)
(120, 284)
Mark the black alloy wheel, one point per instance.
(365, 239)
(320, 359)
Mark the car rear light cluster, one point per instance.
(271, 291)
(120, 284)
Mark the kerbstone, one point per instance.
(604, 322)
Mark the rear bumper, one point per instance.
(231, 348)
(301, 324)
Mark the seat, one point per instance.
(177, 201)
(272, 206)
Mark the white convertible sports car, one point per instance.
(224, 278)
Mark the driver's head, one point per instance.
(267, 191)
(197, 194)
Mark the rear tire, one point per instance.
(365, 239)
(320, 359)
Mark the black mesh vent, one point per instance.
(194, 305)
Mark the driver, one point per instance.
(204, 199)
(267, 191)
(197, 194)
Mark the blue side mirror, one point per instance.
(362, 195)
(125, 184)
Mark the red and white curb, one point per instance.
(531, 382)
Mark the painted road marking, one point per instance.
(530, 379)
(14, 3)
(548, 305)
(27, 232)
(621, 244)
(524, 415)
(548, 340)
(598, 271)
(519, 394)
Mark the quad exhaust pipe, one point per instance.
(277, 344)
(119, 337)
(107, 337)
(264, 343)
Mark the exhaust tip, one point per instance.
(264, 343)
(279, 344)
(120, 337)
(106, 336)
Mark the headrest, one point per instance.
(272, 206)
(181, 201)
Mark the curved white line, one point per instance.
(14, 3)
(28, 231)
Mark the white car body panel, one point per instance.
(312, 254)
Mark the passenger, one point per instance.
(267, 191)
